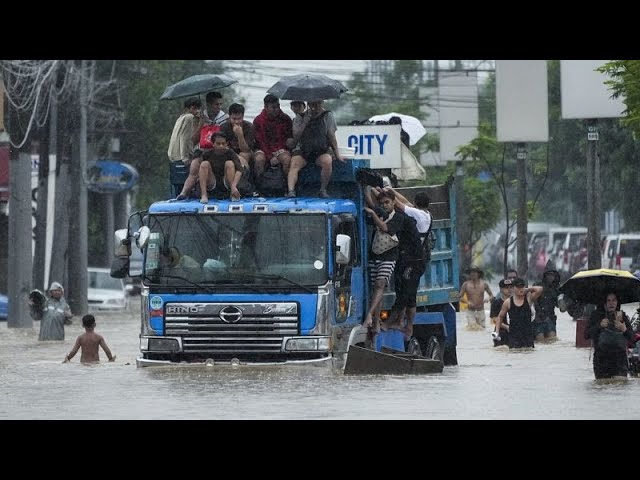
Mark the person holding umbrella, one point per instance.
(181, 144)
(610, 329)
(317, 136)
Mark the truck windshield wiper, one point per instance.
(179, 277)
(206, 288)
(273, 276)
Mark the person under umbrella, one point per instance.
(316, 136)
(404, 136)
(610, 330)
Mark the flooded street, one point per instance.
(554, 381)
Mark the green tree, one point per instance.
(398, 91)
(148, 121)
(625, 81)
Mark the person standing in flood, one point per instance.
(518, 307)
(89, 342)
(57, 314)
(544, 324)
(506, 289)
(475, 288)
(610, 330)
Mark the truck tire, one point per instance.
(435, 349)
(413, 346)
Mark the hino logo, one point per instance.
(230, 314)
(184, 309)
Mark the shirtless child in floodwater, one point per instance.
(475, 288)
(89, 341)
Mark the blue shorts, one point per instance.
(545, 327)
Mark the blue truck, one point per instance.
(278, 280)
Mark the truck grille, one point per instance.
(219, 328)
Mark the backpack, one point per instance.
(272, 182)
(612, 340)
(245, 185)
(428, 241)
(314, 137)
(205, 135)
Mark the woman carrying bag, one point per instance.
(610, 330)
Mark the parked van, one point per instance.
(622, 251)
(535, 231)
(557, 247)
(608, 247)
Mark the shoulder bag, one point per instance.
(382, 241)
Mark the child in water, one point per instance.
(89, 341)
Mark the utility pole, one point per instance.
(462, 219)
(78, 227)
(20, 239)
(39, 257)
(593, 193)
(63, 211)
(523, 214)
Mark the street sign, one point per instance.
(110, 176)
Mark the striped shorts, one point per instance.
(381, 270)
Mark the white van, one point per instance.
(607, 249)
(556, 246)
(621, 251)
(535, 231)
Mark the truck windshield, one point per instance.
(237, 249)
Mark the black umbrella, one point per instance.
(307, 88)
(592, 286)
(197, 84)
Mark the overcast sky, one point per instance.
(255, 77)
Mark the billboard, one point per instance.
(522, 110)
(584, 93)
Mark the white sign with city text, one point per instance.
(380, 144)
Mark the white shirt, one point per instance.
(422, 218)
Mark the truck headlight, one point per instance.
(163, 344)
(312, 344)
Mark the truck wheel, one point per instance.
(413, 346)
(434, 350)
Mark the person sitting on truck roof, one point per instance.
(316, 138)
(381, 265)
(214, 113)
(240, 133)
(272, 129)
(404, 136)
(298, 108)
(220, 171)
(181, 144)
(213, 116)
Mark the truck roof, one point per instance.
(258, 205)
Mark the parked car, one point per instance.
(4, 307)
(106, 292)
(621, 251)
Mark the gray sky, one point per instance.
(255, 77)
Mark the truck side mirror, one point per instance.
(122, 243)
(142, 237)
(119, 267)
(343, 249)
